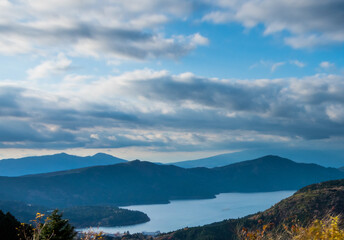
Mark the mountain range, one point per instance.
(138, 182)
(63, 161)
(52, 163)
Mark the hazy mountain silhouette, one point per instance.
(326, 159)
(52, 163)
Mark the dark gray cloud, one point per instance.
(112, 42)
(176, 112)
(8, 102)
(24, 131)
(205, 92)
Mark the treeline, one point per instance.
(52, 227)
(79, 216)
(105, 216)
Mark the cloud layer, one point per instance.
(72, 100)
(118, 29)
(181, 112)
(136, 29)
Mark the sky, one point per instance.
(169, 80)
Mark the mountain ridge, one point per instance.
(52, 163)
(140, 182)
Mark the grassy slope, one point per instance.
(314, 201)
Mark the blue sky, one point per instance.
(170, 80)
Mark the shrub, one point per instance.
(51, 228)
(325, 229)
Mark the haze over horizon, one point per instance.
(170, 80)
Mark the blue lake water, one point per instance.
(190, 213)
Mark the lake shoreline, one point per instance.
(174, 215)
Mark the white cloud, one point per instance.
(198, 39)
(218, 17)
(297, 63)
(309, 40)
(58, 65)
(336, 112)
(277, 65)
(94, 136)
(119, 29)
(112, 138)
(326, 65)
(148, 20)
(310, 23)
(273, 66)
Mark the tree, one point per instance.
(9, 226)
(57, 228)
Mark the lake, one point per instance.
(190, 213)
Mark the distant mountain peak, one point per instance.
(268, 159)
(140, 163)
(273, 158)
(100, 154)
(61, 154)
(137, 161)
(103, 156)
